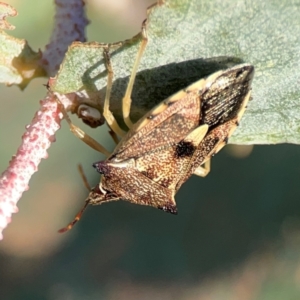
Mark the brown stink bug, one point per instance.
(174, 140)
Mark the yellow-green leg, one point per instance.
(81, 134)
(109, 117)
(203, 170)
(126, 102)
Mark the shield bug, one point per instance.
(174, 140)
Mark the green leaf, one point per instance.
(18, 62)
(190, 39)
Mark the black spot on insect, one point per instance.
(184, 149)
(169, 208)
(151, 117)
(237, 123)
(102, 167)
(226, 140)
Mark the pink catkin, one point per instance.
(36, 140)
(70, 23)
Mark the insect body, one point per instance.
(173, 141)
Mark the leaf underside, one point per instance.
(191, 39)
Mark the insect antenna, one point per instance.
(84, 179)
(79, 214)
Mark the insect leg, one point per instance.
(203, 170)
(109, 117)
(79, 214)
(126, 102)
(114, 136)
(81, 134)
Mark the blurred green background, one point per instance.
(237, 234)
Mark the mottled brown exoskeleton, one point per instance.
(174, 140)
(171, 142)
